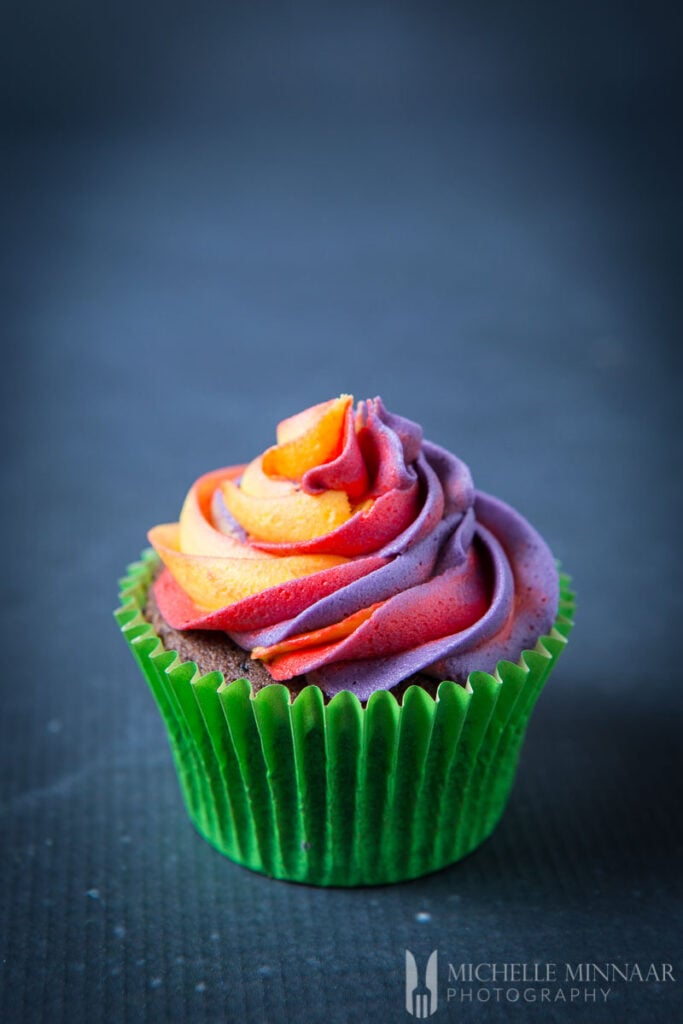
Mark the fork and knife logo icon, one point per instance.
(422, 999)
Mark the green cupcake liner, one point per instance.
(337, 793)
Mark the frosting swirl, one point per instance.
(357, 553)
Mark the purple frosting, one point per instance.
(455, 527)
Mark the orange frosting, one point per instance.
(217, 565)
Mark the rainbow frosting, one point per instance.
(356, 553)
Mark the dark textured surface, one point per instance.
(213, 220)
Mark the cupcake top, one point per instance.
(356, 553)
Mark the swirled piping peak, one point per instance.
(357, 553)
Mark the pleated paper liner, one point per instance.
(337, 793)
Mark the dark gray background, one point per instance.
(215, 215)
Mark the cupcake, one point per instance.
(345, 640)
